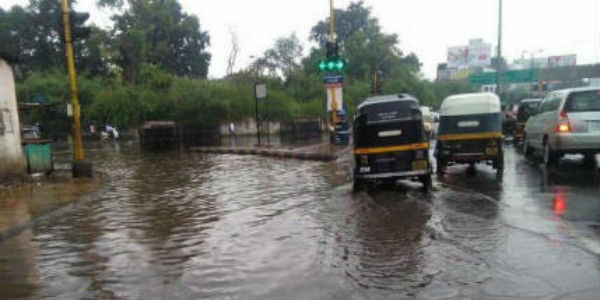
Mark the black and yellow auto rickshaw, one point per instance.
(390, 142)
(470, 131)
(527, 108)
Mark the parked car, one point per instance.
(470, 132)
(390, 142)
(567, 121)
(526, 108)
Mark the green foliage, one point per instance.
(160, 33)
(33, 35)
(153, 63)
(283, 58)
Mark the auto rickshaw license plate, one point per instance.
(491, 151)
(418, 165)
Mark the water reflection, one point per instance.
(377, 239)
(18, 257)
(559, 204)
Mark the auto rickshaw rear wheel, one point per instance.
(440, 167)
(499, 165)
(426, 180)
(358, 185)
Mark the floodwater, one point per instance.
(190, 226)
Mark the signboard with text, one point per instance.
(261, 91)
(334, 91)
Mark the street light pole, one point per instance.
(499, 58)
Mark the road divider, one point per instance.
(315, 153)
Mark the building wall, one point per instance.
(12, 163)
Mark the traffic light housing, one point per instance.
(333, 61)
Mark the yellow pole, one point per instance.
(375, 83)
(77, 143)
(331, 21)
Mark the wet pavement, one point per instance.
(190, 226)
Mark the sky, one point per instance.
(425, 27)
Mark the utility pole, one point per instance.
(499, 58)
(332, 40)
(80, 167)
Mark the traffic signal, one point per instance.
(331, 50)
(78, 31)
(333, 61)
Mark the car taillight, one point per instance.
(563, 124)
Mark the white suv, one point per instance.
(567, 121)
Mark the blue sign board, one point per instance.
(331, 79)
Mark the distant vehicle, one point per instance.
(427, 120)
(109, 132)
(436, 122)
(470, 131)
(390, 142)
(526, 108)
(567, 121)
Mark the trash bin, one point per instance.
(38, 153)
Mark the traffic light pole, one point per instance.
(80, 167)
(332, 40)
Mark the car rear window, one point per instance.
(583, 101)
(526, 110)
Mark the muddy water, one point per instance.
(190, 226)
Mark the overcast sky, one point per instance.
(425, 27)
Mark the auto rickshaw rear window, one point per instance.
(391, 112)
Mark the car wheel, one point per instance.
(549, 156)
(527, 150)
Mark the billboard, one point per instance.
(476, 54)
(457, 56)
(562, 60)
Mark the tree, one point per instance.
(33, 34)
(365, 47)
(283, 58)
(158, 32)
(355, 18)
(233, 53)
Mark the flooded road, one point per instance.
(190, 226)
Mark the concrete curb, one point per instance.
(279, 153)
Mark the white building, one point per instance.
(12, 162)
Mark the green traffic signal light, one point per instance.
(331, 65)
(322, 66)
(337, 64)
